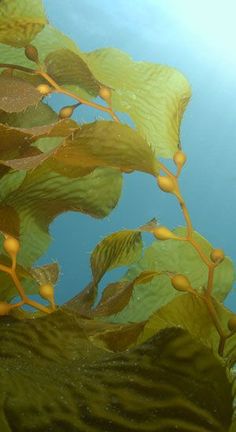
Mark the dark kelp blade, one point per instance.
(168, 382)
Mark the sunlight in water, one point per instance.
(209, 22)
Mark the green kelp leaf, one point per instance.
(17, 94)
(33, 116)
(44, 194)
(10, 182)
(155, 96)
(48, 40)
(191, 314)
(60, 381)
(67, 67)
(177, 257)
(48, 144)
(233, 427)
(118, 249)
(20, 21)
(51, 39)
(107, 143)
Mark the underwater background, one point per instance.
(196, 37)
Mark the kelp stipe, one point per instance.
(156, 352)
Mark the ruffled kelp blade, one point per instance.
(64, 382)
(175, 257)
(155, 105)
(67, 67)
(20, 21)
(105, 143)
(44, 194)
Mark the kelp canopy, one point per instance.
(156, 351)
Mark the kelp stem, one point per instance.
(66, 92)
(210, 265)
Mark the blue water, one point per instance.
(190, 37)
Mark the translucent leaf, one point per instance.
(52, 39)
(191, 314)
(107, 143)
(44, 194)
(67, 67)
(177, 257)
(20, 21)
(155, 96)
(47, 273)
(114, 298)
(167, 381)
(48, 40)
(118, 249)
(117, 339)
(30, 280)
(17, 94)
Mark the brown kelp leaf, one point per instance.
(16, 94)
(115, 250)
(105, 143)
(62, 128)
(20, 21)
(118, 249)
(169, 380)
(27, 163)
(118, 339)
(67, 67)
(149, 226)
(47, 273)
(13, 141)
(146, 276)
(9, 221)
(114, 298)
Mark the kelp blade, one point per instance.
(54, 379)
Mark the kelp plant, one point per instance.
(156, 352)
